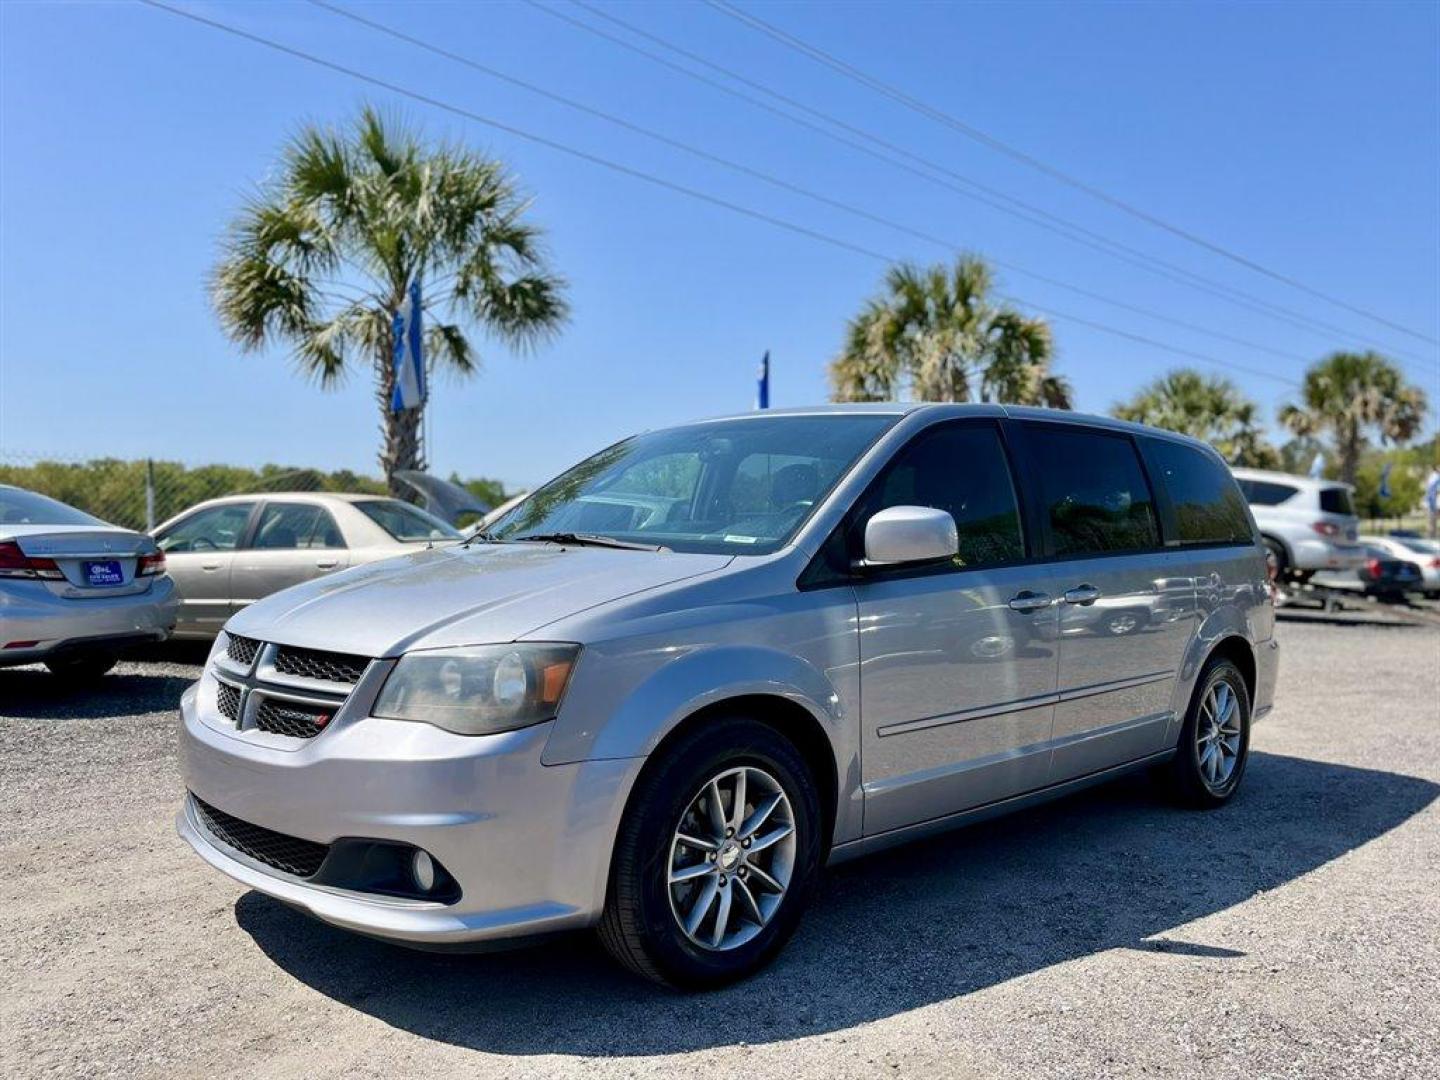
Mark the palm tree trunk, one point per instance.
(1348, 438)
(400, 430)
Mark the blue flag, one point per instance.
(762, 389)
(1317, 467)
(409, 355)
(1385, 480)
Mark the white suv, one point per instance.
(1307, 524)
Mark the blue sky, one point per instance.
(1306, 136)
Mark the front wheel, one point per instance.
(716, 858)
(1214, 741)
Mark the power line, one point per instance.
(969, 131)
(661, 182)
(786, 185)
(902, 159)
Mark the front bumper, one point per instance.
(528, 844)
(59, 625)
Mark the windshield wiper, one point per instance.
(590, 540)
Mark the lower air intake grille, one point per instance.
(228, 699)
(242, 650)
(317, 664)
(289, 854)
(292, 719)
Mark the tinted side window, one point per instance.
(1266, 493)
(1094, 491)
(961, 469)
(1208, 506)
(296, 525)
(1336, 501)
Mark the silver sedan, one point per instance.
(227, 553)
(75, 590)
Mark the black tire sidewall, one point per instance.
(1188, 754)
(671, 789)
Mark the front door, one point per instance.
(958, 662)
(1126, 604)
(199, 555)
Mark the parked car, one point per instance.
(74, 590)
(1425, 554)
(855, 626)
(227, 553)
(1309, 525)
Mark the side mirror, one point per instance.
(909, 534)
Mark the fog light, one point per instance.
(422, 868)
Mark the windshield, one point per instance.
(26, 508)
(1420, 547)
(739, 487)
(406, 523)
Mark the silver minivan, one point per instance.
(658, 695)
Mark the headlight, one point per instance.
(479, 690)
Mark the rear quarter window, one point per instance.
(1336, 500)
(1207, 503)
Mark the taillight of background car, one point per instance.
(1326, 528)
(150, 565)
(1372, 569)
(14, 563)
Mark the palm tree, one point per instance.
(322, 256)
(1205, 407)
(936, 334)
(1349, 394)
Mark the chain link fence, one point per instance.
(141, 494)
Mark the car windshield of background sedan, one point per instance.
(407, 524)
(26, 508)
(739, 487)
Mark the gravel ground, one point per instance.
(1293, 933)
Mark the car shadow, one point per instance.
(35, 694)
(1110, 868)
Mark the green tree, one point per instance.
(1348, 395)
(935, 334)
(1206, 407)
(323, 254)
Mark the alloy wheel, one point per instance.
(1217, 735)
(731, 858)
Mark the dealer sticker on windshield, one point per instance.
(104, 573)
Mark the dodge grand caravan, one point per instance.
(660, 693)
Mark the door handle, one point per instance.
(211, 566)
(1084, 595)
(1029, 601)
(327, 564)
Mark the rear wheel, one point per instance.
(716, 857)
(1214, 741)
(82, 668)
(1277, 551)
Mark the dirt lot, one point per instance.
(1294, 933)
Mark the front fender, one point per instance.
(681, 685)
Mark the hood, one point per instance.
(485, 593)
(48, 541)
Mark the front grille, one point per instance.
(242, 650)
(228, 698)
(315, 664)
(287, 853)
(292, 719)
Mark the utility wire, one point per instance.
(1015, 208)
(668, 185)
(853, 73)
(785, 185)
(902, 158)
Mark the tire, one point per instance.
(641, 924)
(1282, 558)
(86, 667)
(1190, 777)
